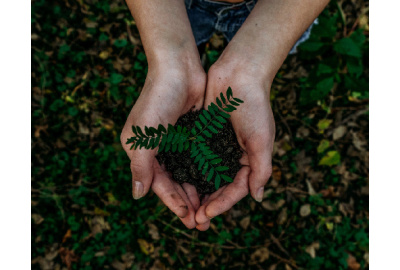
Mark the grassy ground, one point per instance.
(88, 68)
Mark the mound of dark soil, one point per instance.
(183, 168)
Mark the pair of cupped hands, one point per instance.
(174, 88)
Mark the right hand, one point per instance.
(167, 94)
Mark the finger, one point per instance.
(261, 170)
(201, 216)
(167, 192)
(203, 227)
(233, 193)
(244, 160)
(192, 194)
(142, 171)
(205, 199)
(188, 220)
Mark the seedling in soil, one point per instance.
(180, 139)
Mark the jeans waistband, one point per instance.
(220, 6)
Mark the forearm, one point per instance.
(270, 31)
(164, 29)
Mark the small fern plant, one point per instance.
(181, 139)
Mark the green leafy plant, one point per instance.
(181, 139)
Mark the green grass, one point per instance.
(87, 72)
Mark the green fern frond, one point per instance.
(180, 139)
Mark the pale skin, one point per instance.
(177, 83)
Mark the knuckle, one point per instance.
(266, 172)
(137, 169)
(190, 225)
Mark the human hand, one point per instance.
(254, 126)
(167, 94)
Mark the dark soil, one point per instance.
(183, 168)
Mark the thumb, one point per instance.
(141, 166)
(142, 171)
(261, 169)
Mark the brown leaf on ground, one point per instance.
(302, 132)
(67, 256)
(52, 253)
(339, 132)
(287, 267)
(329, 192)
(310, 188)
(146, 247)
(311, 249)
(305, 210)
(245, 222)
(352, 263)
(67, 235)
(158, 265)
(97, 225)
(271, 206)
(273, 267)
(43, 263)
(39, 129)
(153, 231)
(128, 259)
(276, 173)
(117, 265)
(260, 255)
(282, 217)
(37, 218)
(366, 257)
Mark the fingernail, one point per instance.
(208, 217)
(137, 190)
(259, 194)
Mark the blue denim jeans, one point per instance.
(208, 16)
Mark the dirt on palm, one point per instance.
(184, 170)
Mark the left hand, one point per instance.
(254, 126)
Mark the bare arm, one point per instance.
(270, 31)
(249, 64)
(175, 84)
(165, 30)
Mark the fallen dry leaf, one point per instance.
(67, 235)
(153, 231)
(146, 247)
(271, 206)
(276, 173)
(117, 265)
(260, 255)
(44, 264)
(245, 222)
(352, 263)
(128, 259)
(366, 257)
(37, 218)
(67, 256)
(39, 129)
(273, 267)
(339, 132)
(311, 249)
(305, 210)
(302, 132)
(97, 225)
(310, 188)
(52, 253)
(282, 217)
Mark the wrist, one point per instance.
(240, 71)
(247, 65)
(183, 75)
